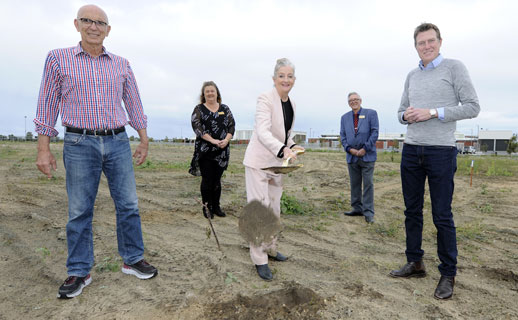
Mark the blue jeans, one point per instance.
(85, 157)
(358, 172)
(439, 165)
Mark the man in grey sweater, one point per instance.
(436, 95)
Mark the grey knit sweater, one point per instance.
(447, 86)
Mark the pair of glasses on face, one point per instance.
(354, 100)
(88, 22)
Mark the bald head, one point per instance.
(92, 23)
(92, 9)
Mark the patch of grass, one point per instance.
(230, 278)
(472, 231)
(43, 179)
(233, 168)
(320, 226)
(340, 203)
(161, 165)
(108, 264)
(497, 171)
(387, 156)
(292, 206)
(488, 166)
(44, 252)
(374, 249)
(387, 230)
(484, 188)
(386, 173)
(486, 208)
(8, 152)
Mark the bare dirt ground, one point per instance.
(337, 269)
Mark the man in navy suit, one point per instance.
(359, 133)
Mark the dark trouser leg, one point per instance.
(211, 174)
(413, 177)
(441, 164)
(218, 172)
(368, 188)
(206, 182)
(355, 178)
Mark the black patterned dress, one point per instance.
(217, 125)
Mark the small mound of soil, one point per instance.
(292, 302)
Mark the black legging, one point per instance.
(210, 187)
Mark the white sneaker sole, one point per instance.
(78, 291)
(140, 275)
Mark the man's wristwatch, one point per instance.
(433, 113)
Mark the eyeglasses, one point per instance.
(354, 100)
(88, 22)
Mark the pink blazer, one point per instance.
(269, 133)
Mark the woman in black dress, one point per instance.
(214, 127)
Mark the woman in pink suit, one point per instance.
(269, 146)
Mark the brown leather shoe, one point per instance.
(411, 269)
(444, 289)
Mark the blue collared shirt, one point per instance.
(432, 65)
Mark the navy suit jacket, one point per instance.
(366, 137)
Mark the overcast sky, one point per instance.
(336, 46)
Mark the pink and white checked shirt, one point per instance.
(88, 92)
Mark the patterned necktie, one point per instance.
(355, 123)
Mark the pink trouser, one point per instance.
(266, 187)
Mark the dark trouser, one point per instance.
(210, 187)
(439, 165)
(358, 172)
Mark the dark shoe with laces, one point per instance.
(409, 270)
(444, 289)
(278, 257)
(353, 213)
(141, 270)
(217, 211)
(73, 286)
(264, 272)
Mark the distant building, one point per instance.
(389, 141)
(494, 140)
(244, 136)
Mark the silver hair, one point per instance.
(283, 62)
(351, 93)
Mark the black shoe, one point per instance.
(278, 257)
(264, 272)
(369, 219)
(206, 213)
(73, 286)
(353, 213)
(411, 269)
(217, 211)
(444, 289)
(141, 270)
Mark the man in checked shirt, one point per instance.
(86, 84)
